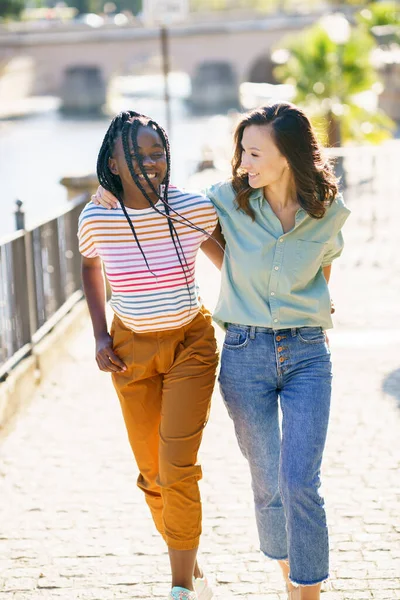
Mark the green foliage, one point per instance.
(135, 6)
(10, 8)
(96, 6)
(320, 68)
(327, 77)
(380, 13)
(362, 126)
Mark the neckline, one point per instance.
(158, 204)
(258, 194)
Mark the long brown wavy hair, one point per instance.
(315, 182)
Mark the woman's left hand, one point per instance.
(104, 198)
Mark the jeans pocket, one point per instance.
(236, 339)
(311, 335)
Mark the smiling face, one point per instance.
(153, 158)
(261, 159)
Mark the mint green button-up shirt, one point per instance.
(270, 278)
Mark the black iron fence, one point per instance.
(39, 282)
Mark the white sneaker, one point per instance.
(203, 589)
(179, 593)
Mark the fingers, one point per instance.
(109, 362)
(110, 199)
(116, 361)
(104, 198)
(95, 198)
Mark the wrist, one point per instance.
(99, 336)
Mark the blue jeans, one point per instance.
(258, 366)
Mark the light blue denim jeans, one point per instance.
(259, 366)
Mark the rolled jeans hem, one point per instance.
(274, 557)
(182, 544)
(297, 582)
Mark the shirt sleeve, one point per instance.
(87, 246)
(335, 249)
(218, 194)
(212, 221)
(336, 244)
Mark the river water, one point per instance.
(38, 149)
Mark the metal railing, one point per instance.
(40, 282)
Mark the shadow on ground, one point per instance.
(391, 385)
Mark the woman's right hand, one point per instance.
(106, 358)
(104, 198)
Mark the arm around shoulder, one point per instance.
(214, 247)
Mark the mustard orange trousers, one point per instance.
(165, 395)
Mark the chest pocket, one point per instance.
(308, 259)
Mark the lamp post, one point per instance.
(162, 13)
(165, 62)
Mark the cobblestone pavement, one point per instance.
(74, 525)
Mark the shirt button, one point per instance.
(275, 321)
(272, 293)
(276, 268)
(280, 348)
(281, 359)
(281, 239)
(278, 338)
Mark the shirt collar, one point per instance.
(257, 196)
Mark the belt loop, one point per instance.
(294, 331)
(252, 332)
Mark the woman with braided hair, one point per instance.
(161, 349)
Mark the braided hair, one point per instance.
(126, 124)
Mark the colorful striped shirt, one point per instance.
(161, 296)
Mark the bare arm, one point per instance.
(213, 250)
(94, 288)
(327, 274)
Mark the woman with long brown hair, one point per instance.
(281, 216)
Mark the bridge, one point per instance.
(243, 46)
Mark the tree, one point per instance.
(328, 76)
(379, 13)
(96, 6)
(10, 8)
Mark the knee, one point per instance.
(296, 487)
(175, 476)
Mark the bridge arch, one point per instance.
(261, 69)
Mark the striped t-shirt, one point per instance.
(159, 297)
